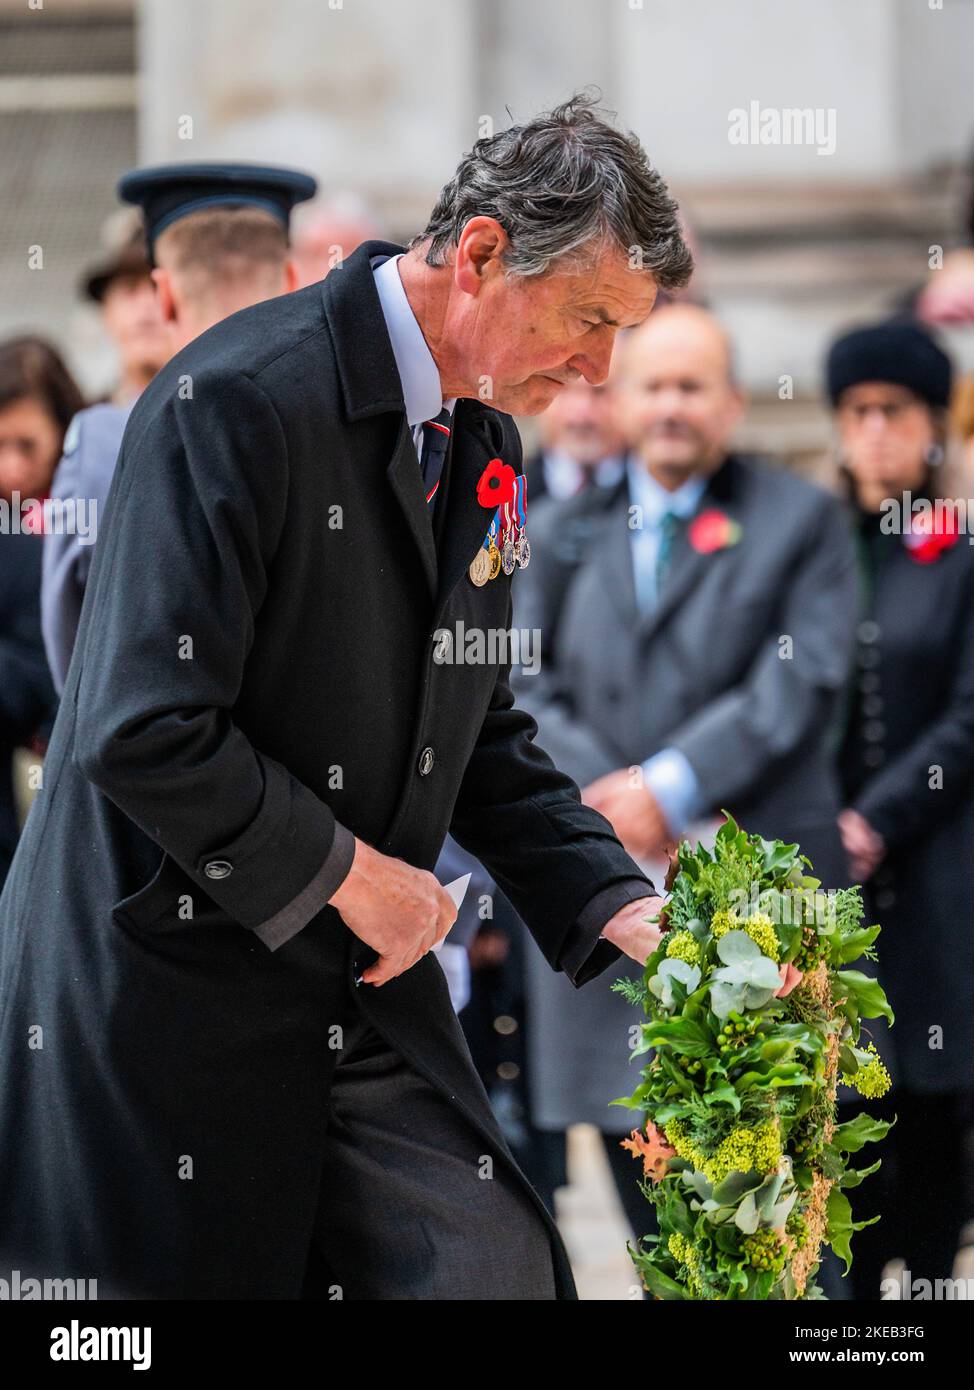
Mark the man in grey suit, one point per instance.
(697, 624)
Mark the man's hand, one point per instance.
(631, 932)
(633, 812)
(398, 910)
(864, 846)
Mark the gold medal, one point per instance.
(480, 567)
(495, 559)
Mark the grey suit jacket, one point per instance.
(83, 477)
(740, 666)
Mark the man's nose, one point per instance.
(593, 364)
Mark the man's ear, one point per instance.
(737, 406)
(482, 242)
(164, 293)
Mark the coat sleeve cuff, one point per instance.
(308, 903)
(584, 954)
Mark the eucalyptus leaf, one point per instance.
(670, 970)
(730, 1190)
(748, 1216)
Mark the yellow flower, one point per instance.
(758, 926)
(873, 1079)
(743, 1149)
(683, 946)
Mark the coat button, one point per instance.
(217, 868)
(868, 631)
(425, 761)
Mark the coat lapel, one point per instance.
(407, 483)
(477, 438)
(687, 566)
(371, 386)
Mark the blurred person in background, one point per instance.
(907, 766)
(962, 427)
(121, 286)
(327, 230)
(216, 247)
(38, 397)
(580, 443)
(667, 687)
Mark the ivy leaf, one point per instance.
(849, 1138)
(682, 1034)
(841, 1225)
(870, 1000)
(855, 943)
(852, 1177)
(660, 1284)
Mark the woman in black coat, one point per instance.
(907, 766)
(37, 400)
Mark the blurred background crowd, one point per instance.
(759, 641)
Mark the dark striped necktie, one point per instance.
(436, 441)
(669, 527)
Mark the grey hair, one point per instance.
(563, 185)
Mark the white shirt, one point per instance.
(421, 389)
(668, 773)
(563, 475)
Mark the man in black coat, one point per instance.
(260, 752)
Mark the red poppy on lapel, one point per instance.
(925, 541)
(495, 486)
(713, 530)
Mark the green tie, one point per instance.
(668, 527)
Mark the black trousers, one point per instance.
(922, 1218)
(410, 1206)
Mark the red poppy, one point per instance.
(495, 486)
(926, 540)
(713, 530)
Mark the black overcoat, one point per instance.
(256, 658)
(908, 767)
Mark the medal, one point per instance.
(522, 546)
(507, 545)
(480, 567)
(486, 563)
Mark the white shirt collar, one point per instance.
(655, 499)
(563, 474)
(418, 373)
